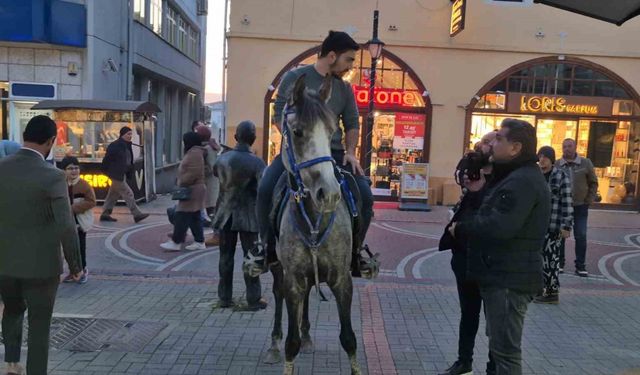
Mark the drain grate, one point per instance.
(90, 335)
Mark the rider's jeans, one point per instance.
(265, 198)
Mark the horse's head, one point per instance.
(307, 127)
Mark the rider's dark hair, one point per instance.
(338, 42)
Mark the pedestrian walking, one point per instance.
(211, 181)
(584, 185)
(35, 221)
(505, 237)
(8, 148)
(117, 164)
(191, 183)
(468, 290)
(83, 200)
(559, 226)
(239, 171)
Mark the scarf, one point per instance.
(503, 169)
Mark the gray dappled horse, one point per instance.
(315, 235)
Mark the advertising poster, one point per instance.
(409, 131)
(415, 181)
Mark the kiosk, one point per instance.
(87, 127)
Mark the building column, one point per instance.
(176, 126)
(158, 97)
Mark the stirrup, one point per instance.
(370, 266)
(254, 263)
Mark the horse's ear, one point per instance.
(297, 95)
(325, 88)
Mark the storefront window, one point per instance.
(86, 134)
(572, 100)
(553, 132)
(613, 148)
(397, 138)
(482, 124)
(492, 100)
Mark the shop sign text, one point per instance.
(569, 105)
(388, 97)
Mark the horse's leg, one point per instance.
(294, 298)
(273, 354)
(343, 291)
(307, 343)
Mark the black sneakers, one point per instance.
(551, 298)
(582, 272)
(458, 368)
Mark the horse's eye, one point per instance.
(297, 132)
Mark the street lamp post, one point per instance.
(374, 46)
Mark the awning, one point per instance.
(614, 11)
(101, 105)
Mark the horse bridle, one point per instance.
(312, 241)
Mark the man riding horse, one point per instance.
(336, 57)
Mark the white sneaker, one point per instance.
(170, 246)
(196, 246)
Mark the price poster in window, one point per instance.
(415, 181)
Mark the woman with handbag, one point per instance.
(190, 196)
(83, 200)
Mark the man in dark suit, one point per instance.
(35, 221)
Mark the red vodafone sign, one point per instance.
(388, 97)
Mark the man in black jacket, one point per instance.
(117, 162)
(505, 236)
(468, 290)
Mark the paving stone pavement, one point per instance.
(590, 332)
(405, 322)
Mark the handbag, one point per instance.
(182, 194)
(84, 219)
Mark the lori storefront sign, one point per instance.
(550, 104)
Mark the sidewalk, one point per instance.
(145, 311)
(401, 329)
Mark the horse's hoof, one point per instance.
(306, 347)
(355, 367)
(273, 357)
(288, 368)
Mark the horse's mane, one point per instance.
(313, 109)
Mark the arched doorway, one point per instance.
(570, 98)
(401, 131)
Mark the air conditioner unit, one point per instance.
(203, 7)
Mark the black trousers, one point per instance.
(82, 236)
(38, 296)
(228, 241)
(470, 306)
(184, 221)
